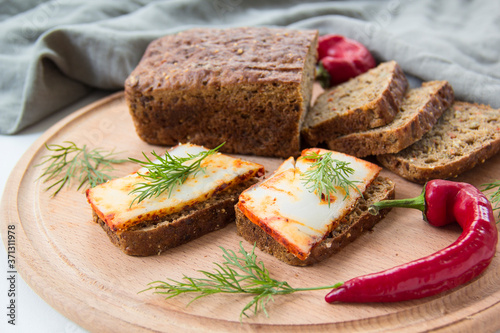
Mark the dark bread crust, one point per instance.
(378, 95)
(419, 112)
(466, 134)
(194, 222)
(247, 87)
(349, 229)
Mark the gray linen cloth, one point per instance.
(53, 53)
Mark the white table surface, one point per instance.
(33, 314)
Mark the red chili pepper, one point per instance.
(441, 202)
(343, 58)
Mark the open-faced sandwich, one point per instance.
(203, 202)
(311, 207)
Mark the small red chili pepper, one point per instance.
(441, 202)
(342, 59)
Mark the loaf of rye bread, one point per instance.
(349, 228)
(369, 100)
(465, 135)
(154, 237)
(419, 111)
(247, 87)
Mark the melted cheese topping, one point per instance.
(296, 218)
(111, 200)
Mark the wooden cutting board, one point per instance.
(69, 261)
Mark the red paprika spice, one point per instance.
(441, 202)
(342, 59)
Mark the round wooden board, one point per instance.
(69, 261)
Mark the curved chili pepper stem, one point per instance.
(417, 203)
(323, 76)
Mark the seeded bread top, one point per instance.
(214, 57)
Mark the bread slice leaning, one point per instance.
(467, 134)
(419, 111)
(349, 228)
(179, 228)
(369, 100)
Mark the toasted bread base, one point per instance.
(350, 228)
(178, 229)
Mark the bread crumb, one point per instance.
(133, 80)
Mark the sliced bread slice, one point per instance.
(349, 228)
(466, 134)
(369, 100)
(179, 228)
(201, 203)
(419, 111)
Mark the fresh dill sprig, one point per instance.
(327, 173)
(495, 195)
(166, 172)
(239, 274)
(73, 162)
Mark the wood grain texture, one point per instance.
(69, 261)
